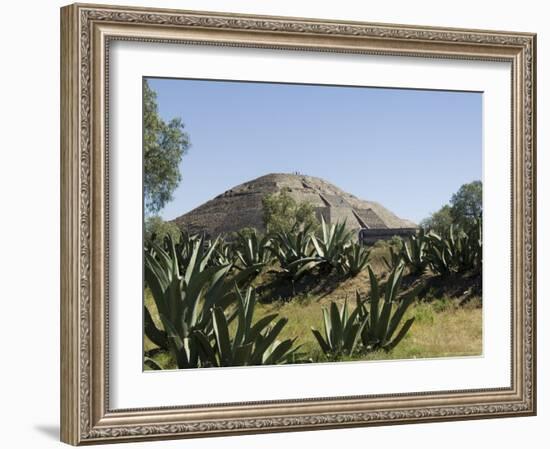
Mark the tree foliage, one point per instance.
(164, 144)
(466, 204)
(439, 221)
(281, 213)
(464, 208)
(156, 229)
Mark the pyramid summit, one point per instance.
(241, 206)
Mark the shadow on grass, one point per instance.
(274, 287)
(279, 288)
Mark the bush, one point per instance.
(156, 230)
(395, 242)
(464, 209)
(281, 213)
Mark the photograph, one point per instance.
(288, 223)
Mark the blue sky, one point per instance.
(410, 150)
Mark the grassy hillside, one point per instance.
(448, 312)
(441, 329)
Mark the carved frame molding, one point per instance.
(87, 31)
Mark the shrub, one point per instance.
(439, 221)
(395, 241)
(156, 229)
(465, 208)
(281, 213)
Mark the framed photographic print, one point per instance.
(279, 224)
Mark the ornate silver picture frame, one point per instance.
(87, 34)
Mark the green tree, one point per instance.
(281, 212)
(164, 144)
(156, 229)
(439, 221)
(466, 204)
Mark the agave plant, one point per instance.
(468, 248)
(184, 247)
(456, 251)
(156, 335)
(383, 318)
(184, 297)
(294, 252)
(331, 244)
(393, 260)
(342, 331)
(248, 344)
(355, 260)
(413, 252)
(475, 237)
(439, 255)
(252, 251)
(224, 254)
(151, 364)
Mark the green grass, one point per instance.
(439, 330)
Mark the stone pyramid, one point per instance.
(241, 206)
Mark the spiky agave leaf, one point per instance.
(414, 252)
(253, 251)
(385, 316)
(394, 259)
(184, 296)
(341, 330)
(356, 259)
(330, 246)
(248, 343)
